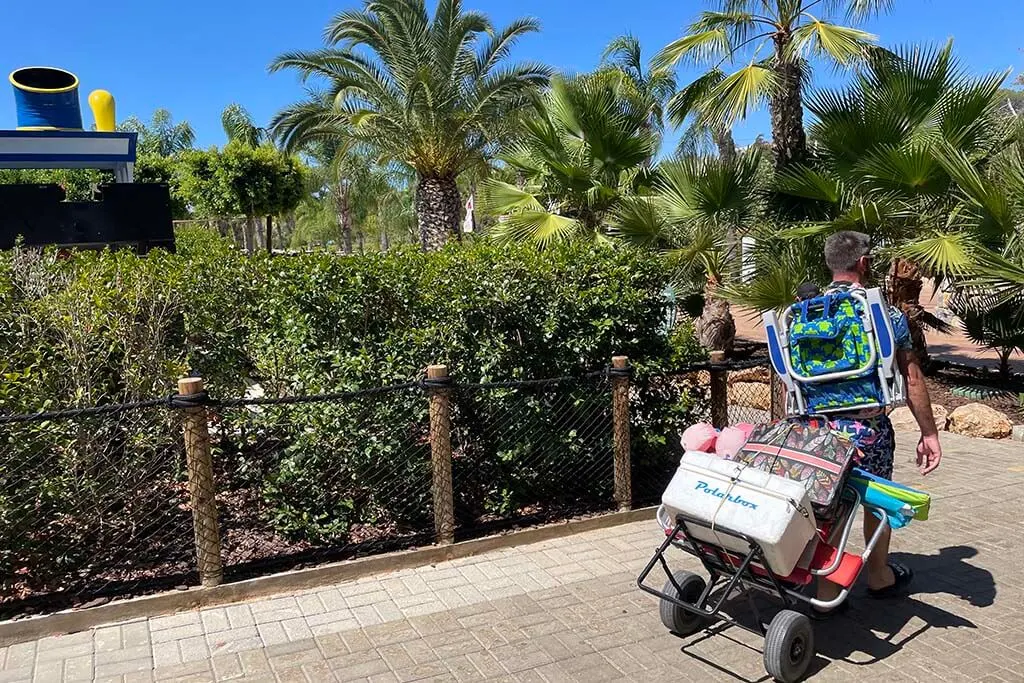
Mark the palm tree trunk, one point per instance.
(437, 211)
(270, 235)
(905, 285)
(789, 142)
(383, 240)
(1004, 363)
(715, 327)
(724, 142)
(344, 212)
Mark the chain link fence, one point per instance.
(121, 500)
(92, 506)
(662, 405)
(527, 452)
(321, 480)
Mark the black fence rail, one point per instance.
(118, 500)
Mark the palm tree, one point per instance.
(585, 147)
(695, 211)
(901, 154)
(651, 88)
(160, 137)
(240, 127)
(430, 92)
(772, 39)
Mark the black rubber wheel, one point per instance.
(674, 617)
(788, 646)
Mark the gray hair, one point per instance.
(843, 250)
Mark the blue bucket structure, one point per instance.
(46, 98)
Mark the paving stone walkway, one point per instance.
(569, 610)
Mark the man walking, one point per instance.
(848, 257)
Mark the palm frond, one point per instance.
(843, 44)
(996, 217)
(737, 23)
(951, 254)
(543, 228)
(624, 52)
(690, 100)
(239, 126)
(741, 91)
(695, 47)
(500, 45)
(639, 221)
(864, 9)
(498, 197)
(803, 181)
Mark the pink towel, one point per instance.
(744, 427)
(700, 437)
(730, 441)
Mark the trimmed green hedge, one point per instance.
(106, 327)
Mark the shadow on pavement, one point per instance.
(873, 630)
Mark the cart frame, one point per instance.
(750, 572)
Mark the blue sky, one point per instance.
(194, 57)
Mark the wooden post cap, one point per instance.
(190, 385)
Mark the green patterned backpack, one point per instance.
(828, 335)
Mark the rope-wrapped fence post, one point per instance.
(719, 392)
(201, 486)
(441, 454)
(620, 433)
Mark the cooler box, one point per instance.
(773, 511)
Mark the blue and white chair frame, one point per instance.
(882, 358)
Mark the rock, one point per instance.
(750, 395)
(749, 375)
(903, 420)
(1018, 432)
(979, 420)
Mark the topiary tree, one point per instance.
(242, 180)
(261, 182)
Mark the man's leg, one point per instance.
(879, 457)
(879, 572)
(876, 440)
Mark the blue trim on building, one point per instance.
(113, 135)
(126, 158)
(45, 158)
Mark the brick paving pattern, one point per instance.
(569, 610)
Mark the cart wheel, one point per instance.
(674, 617)
(788, 646)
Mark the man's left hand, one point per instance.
(929, 453)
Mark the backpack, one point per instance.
(806, 450)
(835, 352)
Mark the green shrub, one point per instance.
(107, 327)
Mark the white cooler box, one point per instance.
(772, 510)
